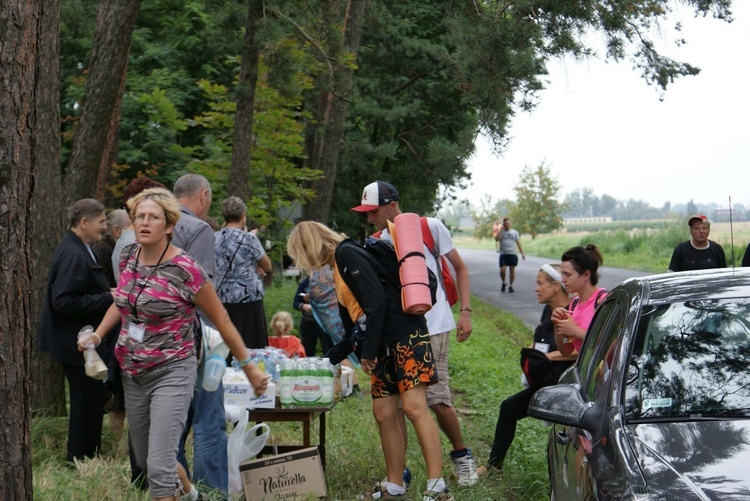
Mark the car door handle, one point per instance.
(562, 438)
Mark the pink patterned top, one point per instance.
(162, 301)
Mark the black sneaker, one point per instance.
(502, 289)
(510, 289)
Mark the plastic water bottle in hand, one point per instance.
(216, 364)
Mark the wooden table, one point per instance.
(305, 416)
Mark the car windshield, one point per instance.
(691, 360)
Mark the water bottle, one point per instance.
(326, 382)
(216, 364)
(285, 384)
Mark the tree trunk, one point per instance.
(20, 20)
(245, 98)
(109, 155)
(331, 114)
(47, 207)
(107, 69)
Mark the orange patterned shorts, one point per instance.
(404, 365)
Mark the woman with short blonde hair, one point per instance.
(156, 302)
(164, 199)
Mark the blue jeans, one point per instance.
(209, 425)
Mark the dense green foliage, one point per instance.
(428, 76)
(410, 124)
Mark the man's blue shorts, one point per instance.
(508, 260)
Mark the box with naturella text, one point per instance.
(286, 476)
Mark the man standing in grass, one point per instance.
(509, 239)
(698, 253)
(77, 294)
(380, 204)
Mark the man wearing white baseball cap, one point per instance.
(375, 195)
(380, 204)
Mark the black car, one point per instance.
(657, 406)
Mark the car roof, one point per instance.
(689, 285)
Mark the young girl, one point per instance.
(282, 338)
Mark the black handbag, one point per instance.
(537, 368)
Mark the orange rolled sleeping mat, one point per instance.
(406, 231)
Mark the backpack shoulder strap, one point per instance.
(599, 295)
(427, 237)
(597, 302)
(574, 303)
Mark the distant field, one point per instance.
(721, 233)
(641, 248)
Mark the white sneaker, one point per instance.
(380, 486)
(466, 470)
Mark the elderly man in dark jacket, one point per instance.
(77, 295)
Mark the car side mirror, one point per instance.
(564, 404)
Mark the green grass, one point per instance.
(484, 370)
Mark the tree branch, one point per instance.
(307, 37)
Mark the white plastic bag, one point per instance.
(93, 363)
(243, 443)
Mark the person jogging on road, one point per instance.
(509, 239)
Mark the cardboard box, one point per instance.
(243, 395)
(286, 476)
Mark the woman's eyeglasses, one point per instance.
(140, 218)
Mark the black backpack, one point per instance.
(388, 265)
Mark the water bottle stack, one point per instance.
(306, 382)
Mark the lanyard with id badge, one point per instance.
(136, 330)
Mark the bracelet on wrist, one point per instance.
(243, 363)
(466, 308)
(98, 338)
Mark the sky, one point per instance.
(599, 125)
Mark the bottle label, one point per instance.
(306, 389)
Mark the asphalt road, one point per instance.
(485, 282)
